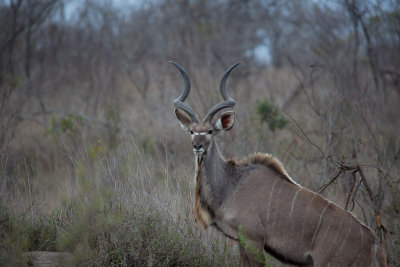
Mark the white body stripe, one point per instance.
(270, 197)
(345, 238)
(304, 223)
(319, 223)
(336, 237)
(293, 200)
(273, 224)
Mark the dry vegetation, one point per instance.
(93, 162)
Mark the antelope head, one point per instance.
(203, 131)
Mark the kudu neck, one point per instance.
(213, 174)
(213, 159)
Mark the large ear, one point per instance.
(225, 121)
(184, 121)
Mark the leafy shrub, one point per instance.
(260, 256)
(67, 124)
(270, 114)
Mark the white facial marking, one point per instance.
(198, 152)
(208, 136)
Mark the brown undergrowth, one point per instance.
(118, 208)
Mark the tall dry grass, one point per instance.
(122, 207)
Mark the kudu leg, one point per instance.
(248, 257)
(244, 259)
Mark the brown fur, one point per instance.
(226, 121)
(201, 215)
(198, 209)
(266, 160)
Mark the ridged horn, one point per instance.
(178, 103)
(228, 101)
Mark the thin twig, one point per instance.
(355, 193)
(351, 190)
(371, 196)
(330, 182)
(304, 134)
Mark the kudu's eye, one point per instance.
(191, 132)
(210, 131)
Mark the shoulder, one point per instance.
(266, 160)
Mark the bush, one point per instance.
(98, 235)
(270, 114)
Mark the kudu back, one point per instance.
(290, 222)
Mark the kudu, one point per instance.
(290, 222)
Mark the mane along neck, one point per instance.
(266, 160)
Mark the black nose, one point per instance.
(197, 146)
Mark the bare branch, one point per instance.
(305, 137)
